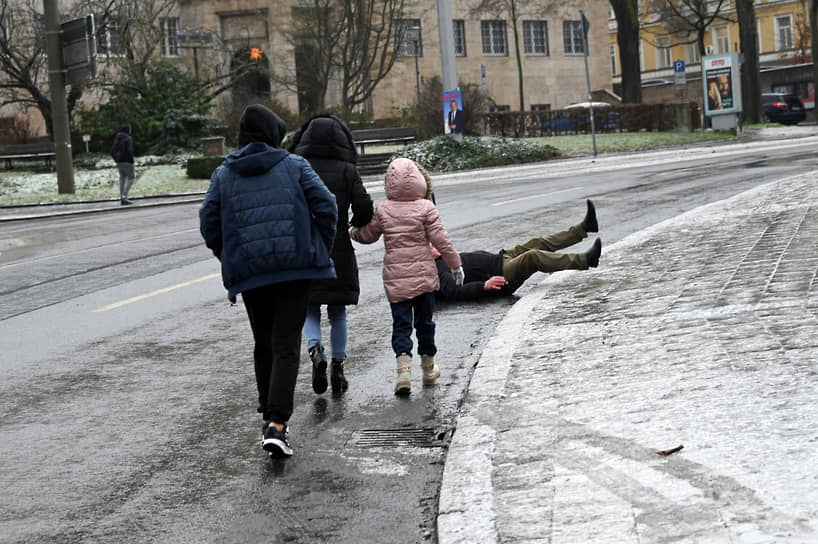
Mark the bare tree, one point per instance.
(513, 11)
(23, 66)
(373, 29)
(688, 20)
(627, 38)
(316, 37)
(750, 92)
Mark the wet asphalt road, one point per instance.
(127, 404)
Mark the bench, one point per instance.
(33, 151)
(375, 136)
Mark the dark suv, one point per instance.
(782, 108)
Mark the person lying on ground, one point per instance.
(490, 274)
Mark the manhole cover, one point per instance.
(403, 437)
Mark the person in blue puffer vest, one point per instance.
(271, 221)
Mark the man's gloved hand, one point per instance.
(458, 275)
(494, 282)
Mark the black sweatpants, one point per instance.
(277, 315)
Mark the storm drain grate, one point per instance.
(411, 437)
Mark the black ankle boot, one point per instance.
(593, 254)
(319, 368)
(589, 224)
(339, 382)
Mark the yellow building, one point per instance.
(783, 44)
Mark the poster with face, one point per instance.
(453, 122)
(720, 84)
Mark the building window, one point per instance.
(663, 52)
(459, 28)
(572, 37)
(540, 107)
(721, 38)
(535, 37)
(411, 42)
(692, 53)
(495, 108)
(494, 38)
(783, 32)
(109, 39)
(612, 49)
(170, 28)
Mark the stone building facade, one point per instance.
(210, 36)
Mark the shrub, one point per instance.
(202, 167)
(445, 153)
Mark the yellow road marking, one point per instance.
(535, 196)
(154, 293)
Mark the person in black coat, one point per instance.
(490, 274)
(326, 142)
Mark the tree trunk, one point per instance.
(519, 62)
(627, 37)
(813, 24)
(750, 92)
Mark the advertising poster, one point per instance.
(453, 122)
(721, 84)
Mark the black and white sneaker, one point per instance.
(275, 442)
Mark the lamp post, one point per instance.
(416, 34)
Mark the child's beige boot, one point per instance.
(431, 372)
(403, 387)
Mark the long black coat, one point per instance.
(327, 143)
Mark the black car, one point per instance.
(783, 108)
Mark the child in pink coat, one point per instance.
(408, 223)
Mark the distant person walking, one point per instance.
(327, 143)
(409, 223)
(123, 155)
(270, 220)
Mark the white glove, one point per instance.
(458, 275)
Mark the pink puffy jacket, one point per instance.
(408, 223)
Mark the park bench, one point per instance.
(380, 136)
(31, 151)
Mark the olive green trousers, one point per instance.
(539, 255)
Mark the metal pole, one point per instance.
(588, 78)
(446, 35)
(59, 107)
(417, 70)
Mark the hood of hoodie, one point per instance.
(404, 182)
(260, 124)
(326, 137)
(254, 159)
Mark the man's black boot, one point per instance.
(319, 368)
(336, 377)
(593, 254)
(589, 224)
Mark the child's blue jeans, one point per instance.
(417, 311)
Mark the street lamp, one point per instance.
(416, 35)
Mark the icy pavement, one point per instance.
(700, 331)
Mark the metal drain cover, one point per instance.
(412, 437)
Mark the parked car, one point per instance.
(783, 108)
(575, 118)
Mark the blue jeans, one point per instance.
(423, 307)
(337, 314)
